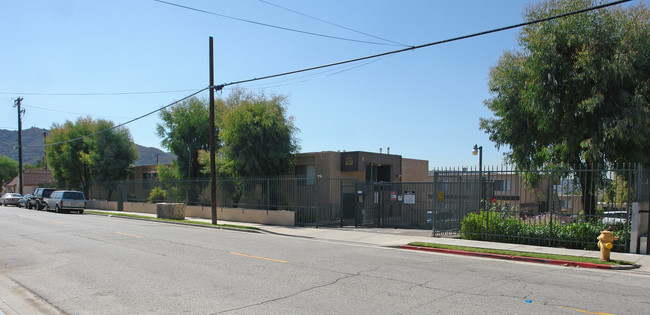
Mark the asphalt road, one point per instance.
(86, 264)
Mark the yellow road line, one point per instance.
(583, 311)
(57, 222)
(251, 256)
(128, 234)
(20, 216)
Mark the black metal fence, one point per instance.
(554, 207)
(316, 201)
(557, 207)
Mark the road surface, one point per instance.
(88, 264)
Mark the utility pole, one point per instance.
(213, 168)
(44, 151)
(20, 145)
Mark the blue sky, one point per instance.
(423, 104)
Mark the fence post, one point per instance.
(630, 170)
(435, 203)
(295, 194)
(120, 195)
(340, 203)
(268, 194)
(317, 204)
(549, 208)
(483, 203)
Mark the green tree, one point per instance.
(184, 131)
(8, 169)
(76, 162)
(112, 153)
(171, 181)
(258, 139)
(258, 136)
(576, 93)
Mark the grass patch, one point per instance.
(523, 254)
(171, 220)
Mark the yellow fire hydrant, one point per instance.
(605, 243)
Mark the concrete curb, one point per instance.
(178, 223)
(565, 263)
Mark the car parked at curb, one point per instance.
(10, 199)
(24, 200)
(66, 200)
(38, 199)
(614, 217)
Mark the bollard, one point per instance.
(605, 243)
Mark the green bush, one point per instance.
(157, 194)
(544, 230)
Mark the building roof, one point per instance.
(32, 178)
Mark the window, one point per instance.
(73, 195)
(148, 178)
(306, 174)
(502, 185)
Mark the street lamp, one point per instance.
(479, 150)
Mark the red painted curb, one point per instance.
(509, 257)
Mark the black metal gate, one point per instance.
(389, 204)
(348, 214)
(456, 195)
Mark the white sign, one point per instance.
(409, 197)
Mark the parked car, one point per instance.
(613, 217)
(66, 200)
(10, 199)
(24, 201)
(38, 199)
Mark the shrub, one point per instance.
(157, 194)
(545, 229)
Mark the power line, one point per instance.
(426, 45)
(98, 93)
(221, 86)
(65, 112)
(330, 23)
(130, 121)
(273, 26)
(312, 77)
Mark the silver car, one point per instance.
(11, 199)
(66, 200)
(614, 217)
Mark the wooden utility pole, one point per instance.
(20, 145)
(213, 168)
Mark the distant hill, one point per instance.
(33, 148)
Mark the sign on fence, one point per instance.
(409, 197)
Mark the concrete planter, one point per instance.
(175, 211)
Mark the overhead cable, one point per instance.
(66, 112)
(98, 93)
(427, 45)
(307, 78)
(221, 86)
(330, 23)
(274, 26)
(130, 121)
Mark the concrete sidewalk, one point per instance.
(396, 237)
